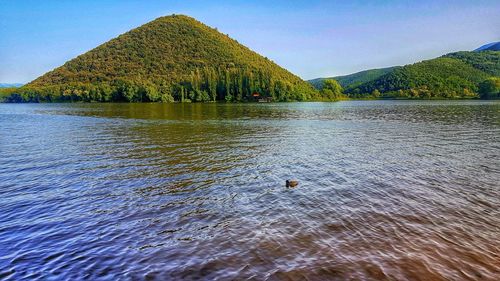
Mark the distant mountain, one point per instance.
(495, 46)
(355, 79)
(10, 85)
(173, 58)
(455, 75)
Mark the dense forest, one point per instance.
(487, 61)
(455, 75)
(173, 58)
(353, 80)
(207, 84)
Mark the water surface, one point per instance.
(405, 190)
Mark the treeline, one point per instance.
(487, 89)
(202, 85)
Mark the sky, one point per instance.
(310, 38)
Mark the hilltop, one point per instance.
(172, 58)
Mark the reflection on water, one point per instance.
(388, 190)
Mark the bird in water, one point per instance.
(291, 183)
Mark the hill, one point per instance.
(495, 46)
(10, 85)
(487, 61)
(455, 75)
(355, 79)
(173, 58)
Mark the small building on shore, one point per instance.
(258, 98)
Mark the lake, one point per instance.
(405, 190)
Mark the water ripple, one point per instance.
(389, 190)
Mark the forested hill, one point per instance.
(455, 75)
(171, 58)
(355, 79)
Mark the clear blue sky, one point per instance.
(310, 38)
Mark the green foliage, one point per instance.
(173, 58)
(490, 88)
(455, 75)
(7, 92)
(376, 93)
(331, 89)
(355, 79)
(487, 61)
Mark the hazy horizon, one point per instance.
(311, 39)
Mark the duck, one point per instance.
(291, 183)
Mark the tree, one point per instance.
(331, 89)
(490, 88)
